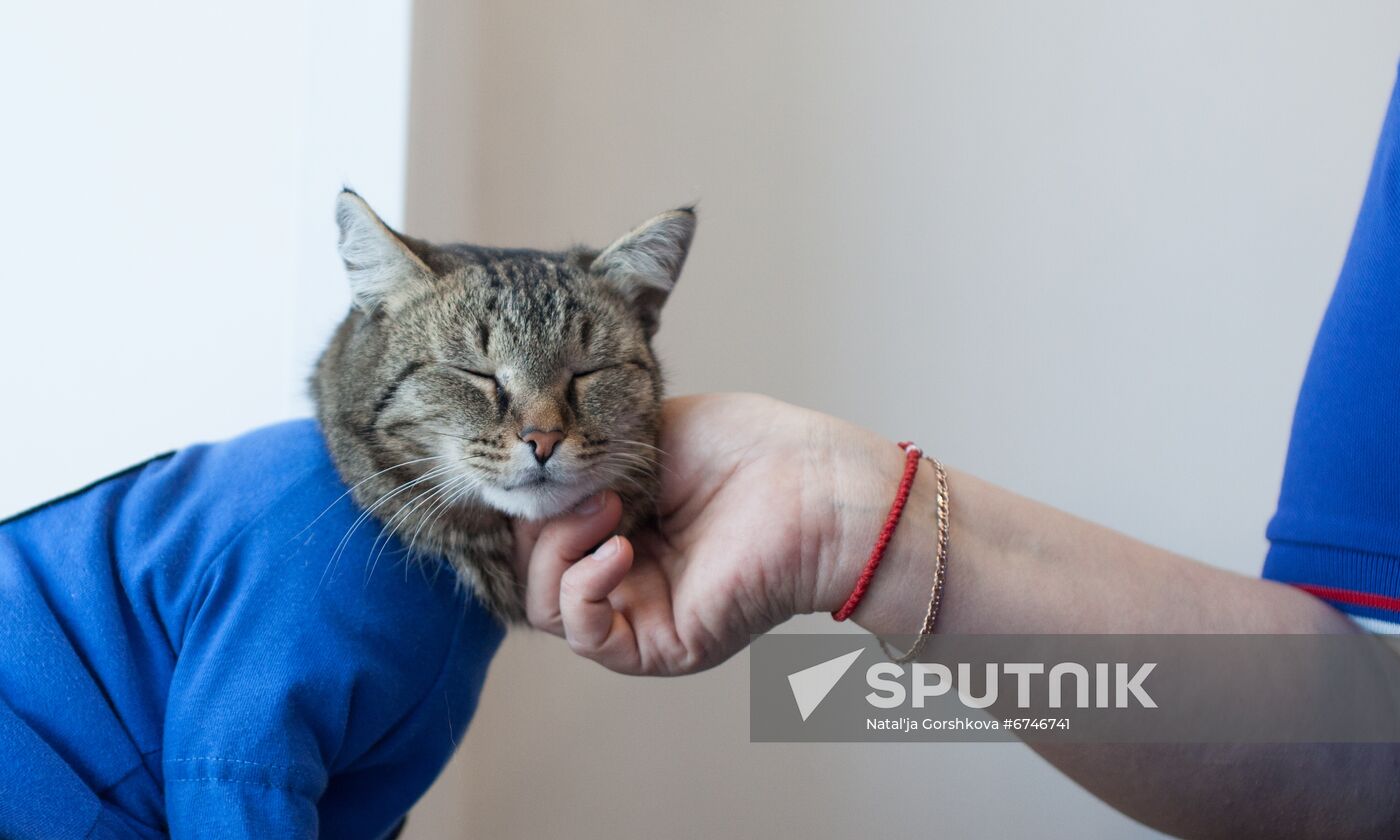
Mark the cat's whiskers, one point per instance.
(638, 462)
(385, 497)
(399, 517)
(448, 494)
(645, 455)
(356, 485)
(460, 495)
(463, 485)
(611, 475)
(453, 491)
(616, 461)
(624, 442)
(340, 547)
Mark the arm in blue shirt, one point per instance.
(307, 702)
(1337, 529)
(199, 646)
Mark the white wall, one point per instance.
(1079, 248)
(169, 171)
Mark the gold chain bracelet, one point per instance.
(939, 569)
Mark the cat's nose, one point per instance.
(542, 441)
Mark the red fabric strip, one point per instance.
(1350, 596)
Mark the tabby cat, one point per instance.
(468, 385)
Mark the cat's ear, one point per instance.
(645, 264)
(382, 269)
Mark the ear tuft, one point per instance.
(381, 267)
(645, 264)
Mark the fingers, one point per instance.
(593, 628)
(559, 543)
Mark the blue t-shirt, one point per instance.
(179, 653)
(1337, 529)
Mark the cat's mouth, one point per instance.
(535, 496)
(532, 481)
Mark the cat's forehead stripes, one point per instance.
(585, 332)
(510, 306)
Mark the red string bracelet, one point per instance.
(912, 456)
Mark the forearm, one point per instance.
(1016, 566)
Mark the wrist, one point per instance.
(859, 477)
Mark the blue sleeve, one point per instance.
(314, 698)
(1337, 530)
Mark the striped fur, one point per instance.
(451, 352)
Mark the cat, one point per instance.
(469, 385)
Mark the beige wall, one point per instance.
(1078, 248)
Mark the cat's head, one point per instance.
(527, 377)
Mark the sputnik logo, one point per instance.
(810, 686)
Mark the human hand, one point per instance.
(761, 506)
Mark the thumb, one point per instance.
(542, 561)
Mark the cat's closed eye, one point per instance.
(604, 368)
(481, 376)
(581, 374)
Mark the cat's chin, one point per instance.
(534, 501)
